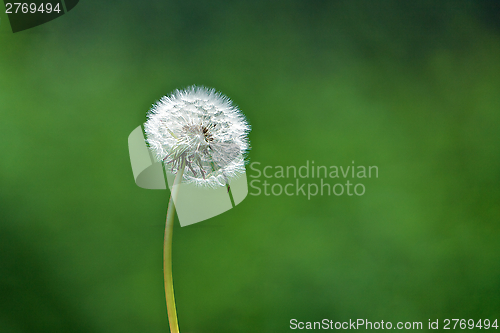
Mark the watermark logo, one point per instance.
(32, 13)
(209, 202)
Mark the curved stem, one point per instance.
(167, 253)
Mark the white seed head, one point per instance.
(203, 130)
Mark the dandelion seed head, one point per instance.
(203, 130)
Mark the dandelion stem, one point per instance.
(167, 252)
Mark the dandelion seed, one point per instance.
(202, 129)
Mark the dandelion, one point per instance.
(202, 138)
(202, 130)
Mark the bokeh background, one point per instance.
(411, 87)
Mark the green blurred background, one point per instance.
(412, 87)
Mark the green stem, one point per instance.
(167, 253)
